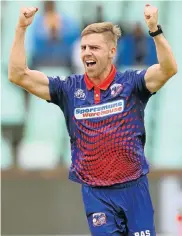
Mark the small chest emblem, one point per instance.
(79, 93)
(116, 89)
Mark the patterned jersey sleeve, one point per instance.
(138, 81)
(57, 89)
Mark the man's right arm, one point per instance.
(33, 81)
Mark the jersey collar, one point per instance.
(105, 84)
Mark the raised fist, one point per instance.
(151, 17)
(26, 16)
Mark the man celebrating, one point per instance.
(104, 112)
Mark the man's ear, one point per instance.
(112, 52)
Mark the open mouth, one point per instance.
(90, 63)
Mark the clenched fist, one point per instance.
(151, 17)
(26, 16)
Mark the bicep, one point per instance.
(155, 78)
(37, 83)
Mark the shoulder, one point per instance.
(74, 78)
(131, 74)
(124, 75)
(69, 78)
(70, 81)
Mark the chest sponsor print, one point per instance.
(101, 110)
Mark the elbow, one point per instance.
(172, 71)
(15, 76)
(175, 70)
(11, 78)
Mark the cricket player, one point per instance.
(104, 112)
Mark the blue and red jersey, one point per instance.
(105, 124)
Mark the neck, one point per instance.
(102, 76)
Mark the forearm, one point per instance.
(165, 56)
(17, 61)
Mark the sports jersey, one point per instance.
(105, 124)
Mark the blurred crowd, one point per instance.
(55, 39)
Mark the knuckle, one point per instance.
(22, 10)
(33, 9)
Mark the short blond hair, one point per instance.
(111, 31)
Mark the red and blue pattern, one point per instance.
(105, 150)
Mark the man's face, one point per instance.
(96, 54)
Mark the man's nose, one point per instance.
(87, 51)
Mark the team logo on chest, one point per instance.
(116, 89)
(79, 93)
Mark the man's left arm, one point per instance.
(157, 75)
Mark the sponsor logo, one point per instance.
(116, 89)
(102, 110)
(79, 93)
(99, 219)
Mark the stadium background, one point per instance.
(36, 196)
